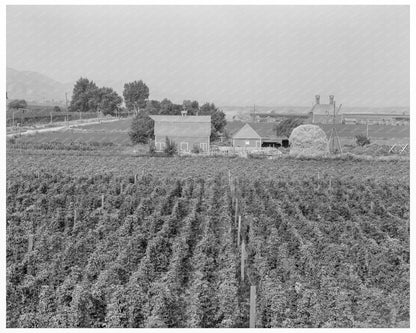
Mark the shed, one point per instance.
(257, 135)
(186, 131)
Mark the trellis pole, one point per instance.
(236, 211)
(243, 256)
(239, 230)
(30, 245)
(252, 306)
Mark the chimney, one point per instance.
(184, 113)
(317, 97)
(331, 99)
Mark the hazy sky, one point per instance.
(229, 55)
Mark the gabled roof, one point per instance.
(187, 126)
(246, 132)
(323, 109)
(266, 131)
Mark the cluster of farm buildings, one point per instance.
(189, 132)
(328, 113)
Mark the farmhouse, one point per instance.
(186, 131)
(257, 135)
(324, 113)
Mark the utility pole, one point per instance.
(66, 101)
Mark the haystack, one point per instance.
(308, 141)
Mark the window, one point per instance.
(247, 142)
(184, 146)
(160, 146)
(204, 146)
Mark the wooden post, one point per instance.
(75, 215)
(30, 245)
(229, 178)
(121, 188)
(239, 230)
(252, 306)
(51, 117)
(243, 257)
(236, 211)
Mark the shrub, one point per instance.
(152, 148)
(196, 149)
(362, 140)
(170, 147)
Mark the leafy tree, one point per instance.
(285, 127)
(191, 106)
(169, 108)
(152, 107)
(84, 96)
(17, 104)
(218, 120)
(56, 108)
(135, 95)
(142, 128)
(108, 101)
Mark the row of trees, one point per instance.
(87, 96)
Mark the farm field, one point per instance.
(77, 135)
(90, 163)
(116, 132)
(104, 250)
(100, 238)
(374, 131)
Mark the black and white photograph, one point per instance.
(207, 166)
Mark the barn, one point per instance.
(258, 135)
(186, 131)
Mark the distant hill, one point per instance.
(36, 88)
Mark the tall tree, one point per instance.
(135, 95)
(169, 108)
(108, 101)
(218, 120)
(152, 107)
(191, 106)
(84, 96)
